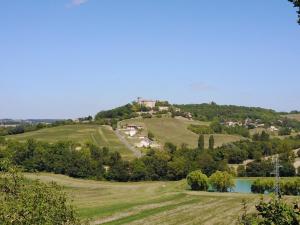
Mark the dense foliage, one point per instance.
(112, 116)
(90, 161)
(221, 181)
(287, 187)
(172, 163)
(209, 112)
(217, 128)
(31, 202)
(197, 181)
(273, 212)
(222, 113)
(239, 151)
(297, 5)
(200, 129)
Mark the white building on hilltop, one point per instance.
(147, 103)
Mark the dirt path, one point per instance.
(135, 151)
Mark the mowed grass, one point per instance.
(150, 202)
(175, 131)
(102, 136)
(293, 116)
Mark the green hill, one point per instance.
(102, 136)
(175, 130)
(213, 111)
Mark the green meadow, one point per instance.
(175, 130)
(153, 203)
(102, 136)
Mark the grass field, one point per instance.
(150, 202)
(293, 116)
(175, 131)
(102, 136)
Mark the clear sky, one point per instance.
(64, 58)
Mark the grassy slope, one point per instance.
(175, 131)
(81, 133)
(150, 202)
(293, 116)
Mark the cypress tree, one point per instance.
(211, 142)
(201, 142)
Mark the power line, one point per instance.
(276, 172)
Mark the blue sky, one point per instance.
(64, 58)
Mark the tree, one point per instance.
(170, 147)
(274, 212)
(211, 142)
(139, 170)
(241, 171)
(284, 131)
(221, 181)
(297, 5)
(26, 203)
(197, 181)
(201, 142)
(150, 135)
(264, 136)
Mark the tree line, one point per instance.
(171, 163)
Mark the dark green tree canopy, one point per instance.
(297, 5)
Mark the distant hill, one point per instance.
(208, 112)
(101, 136)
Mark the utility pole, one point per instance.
(276, 172)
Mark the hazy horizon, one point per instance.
(70, 58)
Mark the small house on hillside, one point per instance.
(163, 108)
(273, 129)
(132, 130)
(145, 142)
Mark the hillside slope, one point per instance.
(102, 136)
(293, 116)
(175, 130)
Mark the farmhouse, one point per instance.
(144, 143)
(147, 103)
(273, 129)
(163, 108)
(132, 130)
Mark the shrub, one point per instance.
(200, 129)
(276, 211)
(150, 135)
(27, 203)
(284, 131)
(197, 181)
(261, 186)
(241, 171)
(287, 187)
(221, 181)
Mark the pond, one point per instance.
(242, 186)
